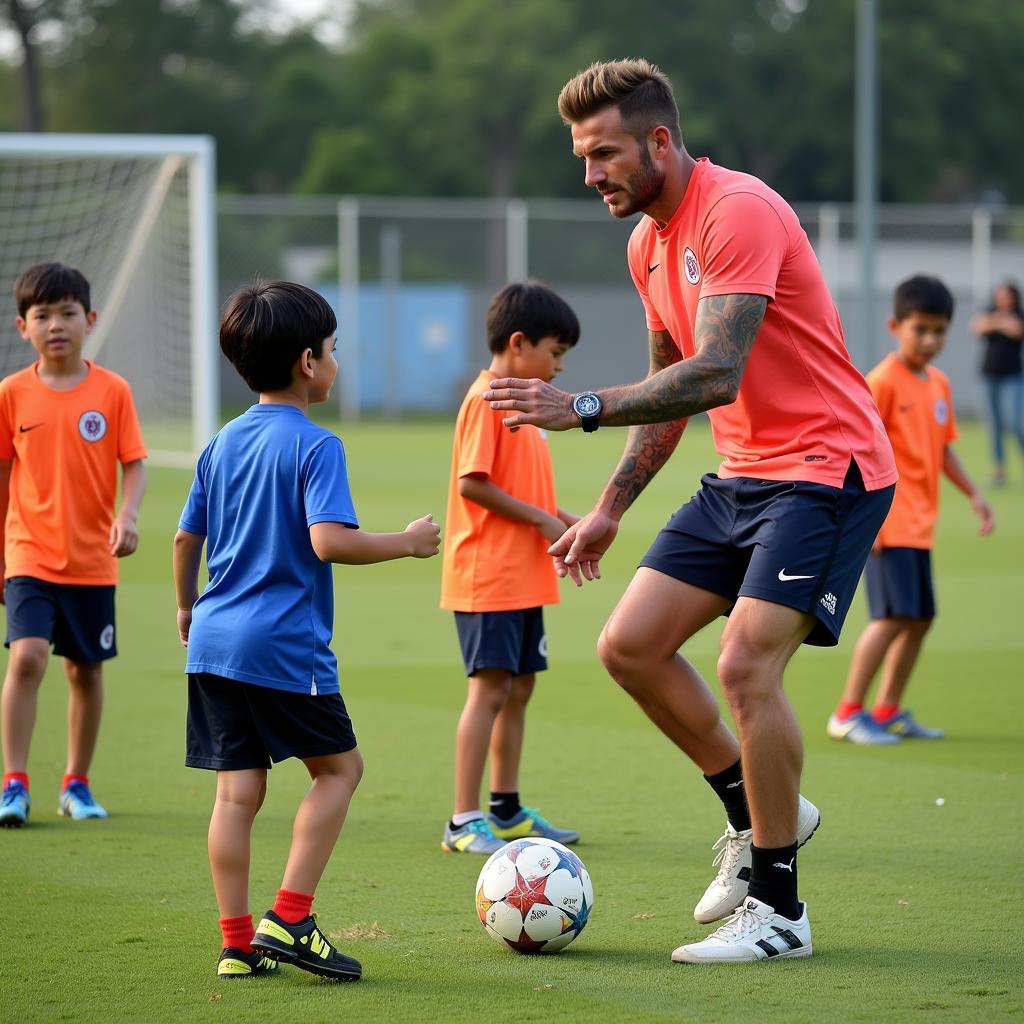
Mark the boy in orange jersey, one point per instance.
(65, 423)
(917, 409)
(497, 574)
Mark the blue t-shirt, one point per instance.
(267, 614)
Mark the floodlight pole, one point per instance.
(866, 168)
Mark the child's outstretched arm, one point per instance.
(336, 542)
(186, 559)
(124, 533)
(957, 475)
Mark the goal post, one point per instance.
(136, 214)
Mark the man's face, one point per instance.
(617, 165)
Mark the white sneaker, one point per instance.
(729, 887)
(754, 932)
(861, 728)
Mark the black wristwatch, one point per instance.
(588, 407)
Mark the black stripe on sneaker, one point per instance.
(788, 937)
(768, 948)
(743, 874)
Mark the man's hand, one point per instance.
(533, 401)
(124, 536)
(579, 551)
(184, 624)
(424, 537)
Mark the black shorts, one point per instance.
(78, 620)
(899, 584)
(233, 726)
(514, 641)
(802, 545)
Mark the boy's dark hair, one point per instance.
(268, 325)
(640, 89)
(47, 283)
(534, 309)
(922, 294)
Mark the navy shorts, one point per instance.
(232, 726)
(899, 584)
(802, 545)
(514, 641)
(77, 620)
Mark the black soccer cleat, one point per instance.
(233, 963)
(303, 945)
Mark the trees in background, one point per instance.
(457, 97)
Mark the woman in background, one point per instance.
(1002, 331)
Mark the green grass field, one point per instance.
(913, 904)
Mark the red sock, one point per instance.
(238, 932)
(883, 712)
(21, 777)
(292, 907)
(847, 708)
(68, 779)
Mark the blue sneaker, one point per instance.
(473, 837)
(904, 725)
(860, 728)
(14, 806)
(528, 823)
(77, 802)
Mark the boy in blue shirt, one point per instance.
(271, 501)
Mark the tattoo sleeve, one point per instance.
(724, 335)
(648, 445)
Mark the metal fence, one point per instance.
(410, 279)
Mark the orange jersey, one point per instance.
(803, 409)
(493, 563)
(918, 414)
(66, 446)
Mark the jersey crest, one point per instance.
(92, 425)
(690, 266)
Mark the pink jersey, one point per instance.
(803, 410)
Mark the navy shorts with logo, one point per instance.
(899, 584)
(78, 620)
(798, 544)
(233, 726)
(514, 641)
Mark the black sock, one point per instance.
(729, 787)
(773, 879)
(504, 805)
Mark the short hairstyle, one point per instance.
(922, 294)
(268, 325)
(46, 283)
(534, 309)
(1014, 289)
(640, 90)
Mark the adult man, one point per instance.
(778, 537)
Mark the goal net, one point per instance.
(135, 214)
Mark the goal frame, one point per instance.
(200, 153)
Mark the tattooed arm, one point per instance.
(657, 407)
(648, 445)
(724, 336)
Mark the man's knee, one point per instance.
(747, 676)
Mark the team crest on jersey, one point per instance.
(690, 266)
(92, 425)
(941, 412)
(107, 637)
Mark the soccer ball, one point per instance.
(534, 895)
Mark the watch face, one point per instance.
(587, 405)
